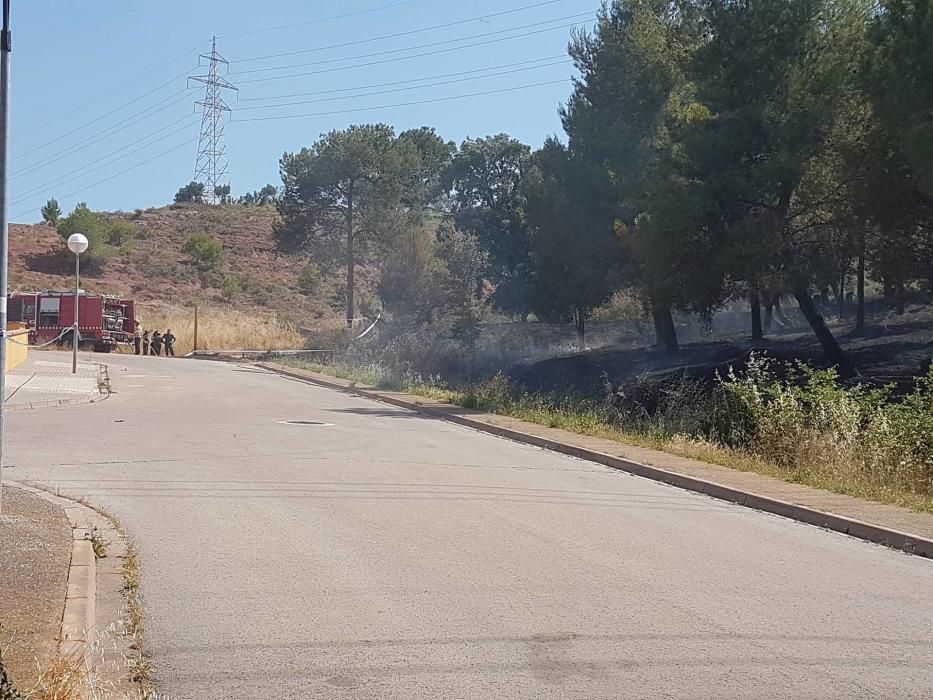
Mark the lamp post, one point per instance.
(77, 244)
(5, 48)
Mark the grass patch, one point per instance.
(66, 678)
(135, 622)
(220, 329)
(797, 426)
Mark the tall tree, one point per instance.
(899, 67)
(51, 212)
(574, 250)
(430, 156)
(344, 190)
(631, 86)
(762, 78)
(484, 180)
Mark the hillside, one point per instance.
(154, 269)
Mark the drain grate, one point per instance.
(304, 422)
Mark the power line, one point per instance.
(402, 104)
(403, 58)
(402, 89)
(401, 82)
(149, 72)
(67, 177)
(110, 131)
(116, 175)
(418, 46)
(357, 13)
(399, 34)
(104, 116)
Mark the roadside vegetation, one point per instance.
(223, 329)
(768, 157)
(788, 421)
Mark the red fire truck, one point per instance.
(103, 321)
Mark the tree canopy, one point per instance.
(716, 150)
(192, 192)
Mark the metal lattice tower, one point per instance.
(211, 164)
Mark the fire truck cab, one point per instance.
(103, 321)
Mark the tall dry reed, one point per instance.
(222, 329)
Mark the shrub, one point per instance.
(192, 192)
(232, 287)
(204, 250)
(104, 235)
(309, 279)
(120, 233)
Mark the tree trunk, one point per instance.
(755, 301)
(665, 333)
(860, 291)
(769, 315)
(779, 312)
(842, 291)
(351, 262)
(829, 343)
(580, 322)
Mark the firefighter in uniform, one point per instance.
(137, 337)
(169, 341)
(156, 343)
(145, 342)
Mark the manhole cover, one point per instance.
(304, 422)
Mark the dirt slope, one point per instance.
(154, 268)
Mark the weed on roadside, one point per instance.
(791, 422)
(139, 666)
(98, 543)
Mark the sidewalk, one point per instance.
(35, 551)
(876, 522)
(45, 379)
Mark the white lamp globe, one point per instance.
(77, 243)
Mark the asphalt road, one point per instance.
(386, 555)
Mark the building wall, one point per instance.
(16, 351)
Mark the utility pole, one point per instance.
(5, 49)
(211, 164)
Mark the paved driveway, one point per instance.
(383, 554)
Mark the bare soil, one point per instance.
(154, 268)
(35, 553)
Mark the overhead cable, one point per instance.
(116, 175)
(403, 58)
(401, 104)
(403, 49)
(403, 89)
(409, 32)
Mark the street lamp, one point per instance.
(77, 244)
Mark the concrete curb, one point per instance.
(80, 614)
(906, 542)
(83, 615)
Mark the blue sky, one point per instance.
(99, 88)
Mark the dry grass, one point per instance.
(222, 329)
(139, 667)
(66, 678)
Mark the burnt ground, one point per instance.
(893, 349)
